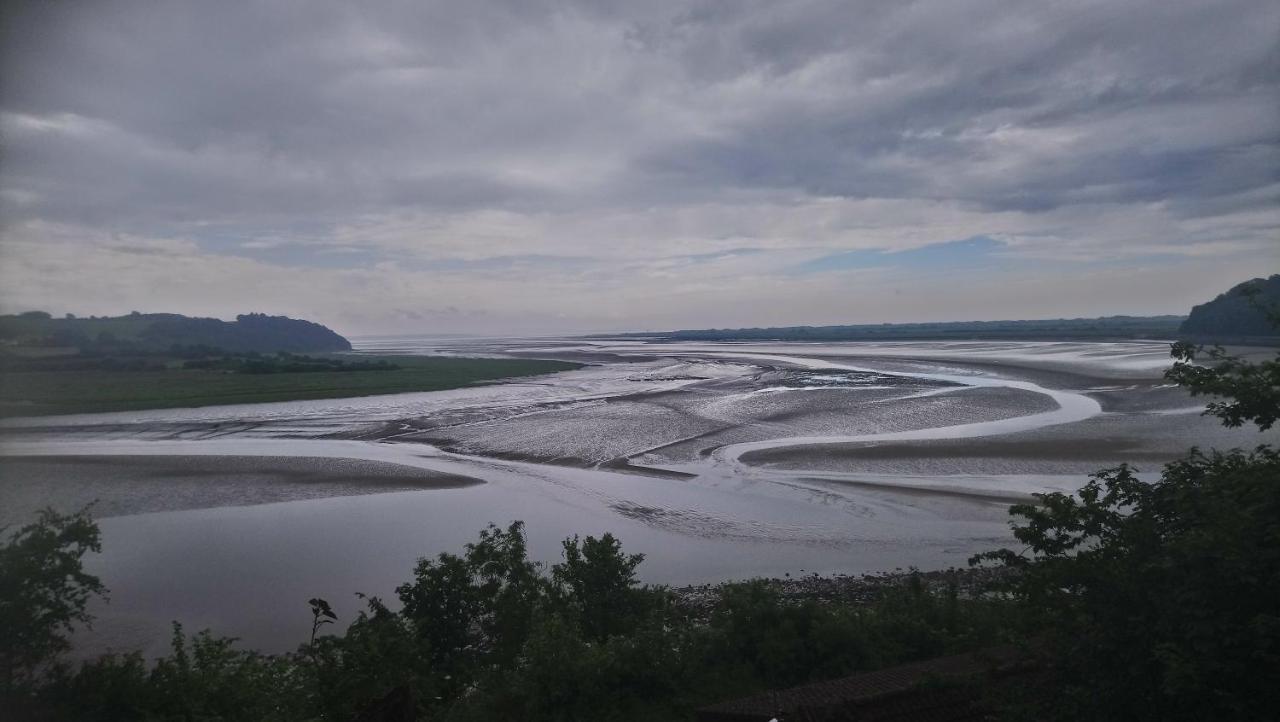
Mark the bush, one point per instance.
(597, 583)
(1160, 600)
(44, 592)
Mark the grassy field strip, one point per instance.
(41, 393)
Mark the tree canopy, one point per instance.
(1161, 600)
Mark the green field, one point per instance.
(41, 393)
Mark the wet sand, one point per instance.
(122, 485)
(1146, 440)
(969, 456)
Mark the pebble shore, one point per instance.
(852, 589)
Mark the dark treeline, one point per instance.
(1113, 327)
(142, 332)
(1237, 316)
(190, 358)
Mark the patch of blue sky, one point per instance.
(966, 253)
(719, 255)
(283, 247)
(494, 263)
(304, 255)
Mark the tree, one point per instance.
(44, 591)
(1246, 392)
(1161, 600)
(599, 584)
(470, 614)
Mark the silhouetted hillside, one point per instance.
(159, 331)
(1233, 314)
(250, 332)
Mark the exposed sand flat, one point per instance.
(122, 485)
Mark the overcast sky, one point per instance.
(535, 167)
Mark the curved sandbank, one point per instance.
(1072, 407)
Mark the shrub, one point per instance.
(44, 592)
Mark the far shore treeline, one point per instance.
(1233, 317)
(1125, 327)
(71, 365)
(162, 331)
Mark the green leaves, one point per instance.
(471, 613)
(321, 611)
(1245, 392)
(1158, 600)
(598, 582)
(488, 634)
(44, 591)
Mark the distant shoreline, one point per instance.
(1104, 329)
(668, 338)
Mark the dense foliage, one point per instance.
(488, 634)
(249, 332)
(139, 332)
(1243, 391)
(1161, 600)
(96, 358)
(44, 591)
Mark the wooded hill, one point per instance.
(163, 331)
(1238, 312)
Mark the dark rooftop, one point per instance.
(935, 690)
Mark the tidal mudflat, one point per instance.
(718, 461)
(122, 485)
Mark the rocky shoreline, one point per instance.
(853, 589)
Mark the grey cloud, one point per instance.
(954, 84)
(418, 131)
(260, 108)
